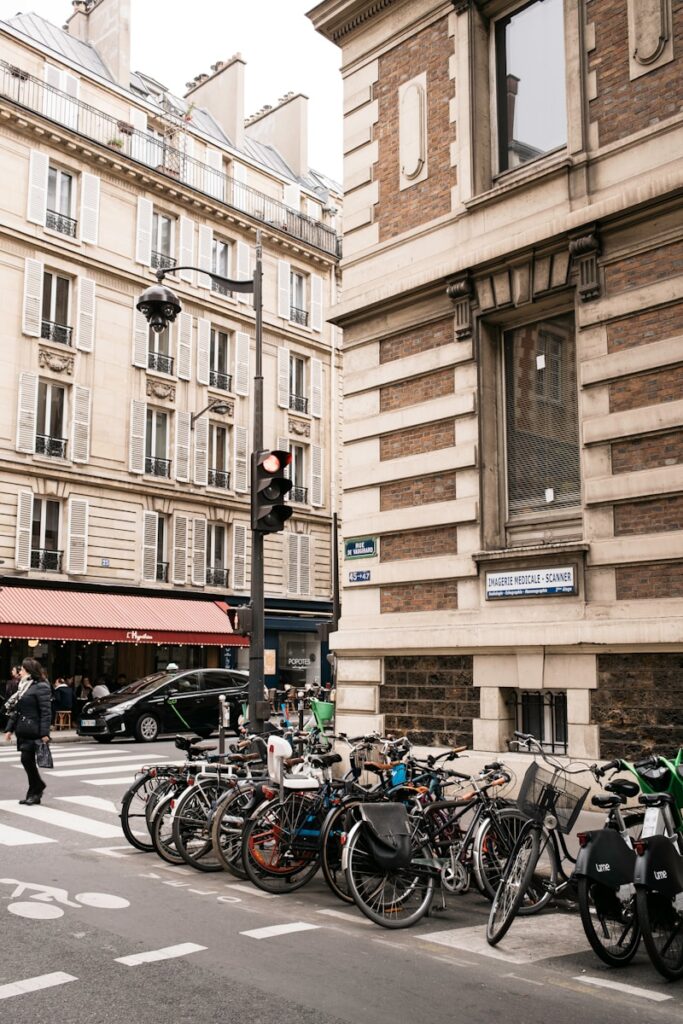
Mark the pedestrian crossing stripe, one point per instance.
(62, 819)
(10, 836)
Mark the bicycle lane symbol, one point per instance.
(45, 902)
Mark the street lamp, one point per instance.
(215, 405)
(160, 306)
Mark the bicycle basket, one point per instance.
(544, 792)
(362, 753)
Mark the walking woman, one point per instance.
(30, 710)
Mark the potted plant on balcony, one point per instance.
(116, 143)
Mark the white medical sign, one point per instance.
(531, 582)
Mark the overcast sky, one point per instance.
(173, 41)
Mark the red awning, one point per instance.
(33, 614)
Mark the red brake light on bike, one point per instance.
(152, 772)
(191, 780)
(268, 792)
(172, 804)
(640, 846)
(342, 839)
(583, 838)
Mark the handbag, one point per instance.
(44, 755)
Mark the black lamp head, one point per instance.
(160, 306)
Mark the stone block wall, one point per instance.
(638, 704)
(431, 699)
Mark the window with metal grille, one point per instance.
(543, 713)
(541, 418)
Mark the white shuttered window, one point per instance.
(203, 350)
(316, 302)
(33, 297)
(136, 452)
(316, 475)
(150, 532)
(27, 412)
(180, 530)
(38, 170)
(186, 232)
(24, 524)
(80, 428)
(241, 363)
(316, 388)
(90, 208)
(143, 237)
(199, 551)
(201, 451)
(284, 270)
(140, 338)
(239, 556)
(85, 317)
(241, 482)
(77, 537)
(185, 346)
(298, 563)
(182, 446)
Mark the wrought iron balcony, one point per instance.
(56, 221)
(160, 362)
(298, 403)
(216, 577)
(161, 261)
(219, 478)
(299, 495)
(298, 316)
(158, 467)
(222, 381)
(56, 332)
(53, 446)
(162, 572)
(166, 155)
(46, 561)
(220, 286)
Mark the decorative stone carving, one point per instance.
(584, 252)
(226, 409)
(58, 362)
(460, 291)
(300, 428)
(161, 390)
(649, 25)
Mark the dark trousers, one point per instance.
(28, 760)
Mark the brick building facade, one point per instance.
(513, 318)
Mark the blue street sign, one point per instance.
(360, 577)
(360, 547)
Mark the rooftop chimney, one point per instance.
(105, 24)
(222, 94)
(286, 128)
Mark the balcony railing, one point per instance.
(56, 332)
(220, 287)
(59, 222)
(166, 154)
(161, 261)
(158, 467)
(298, 316)
(222, 381)
(299, 495)
(160, 362)
(162, 572)
(219, 478)
(298, 403)
(46, 561)
(216, 577)
(53, 446)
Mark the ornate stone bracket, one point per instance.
(56, 361)
(649, 30)
(460, 291)
(300, 428)
(584, 252)
(161, 390)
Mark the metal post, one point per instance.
(256, 667)
(222, 704)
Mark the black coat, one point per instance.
(31, 716)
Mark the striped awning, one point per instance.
(32, 613)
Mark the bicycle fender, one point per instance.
(345, 848)
(606, 858)
(660, 868)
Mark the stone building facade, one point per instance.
(513, 325)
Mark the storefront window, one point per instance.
(298, 659)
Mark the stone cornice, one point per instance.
(338, 18)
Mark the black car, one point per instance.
(179, 701)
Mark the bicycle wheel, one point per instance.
(280, 844)
(338, 823)
(610, 924)
(162, 831)
(133, 817)
(662, 925)
(391, 898)
(192, 826)
(227, 826)
(513, 885)
(166, 786)
(493, 844)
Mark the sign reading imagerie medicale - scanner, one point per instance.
(531, 582)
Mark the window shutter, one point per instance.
(38, 168)
(77, 538)
(243, 269)
(80, 429)
(283, 378)
(316, 475)
(199, 552)
(85, 320)
(27, 412)
(186, 248)
(203, 350)
(139, 149)
(205, 254)
(285, 446)
(143, 238)
(214, 180)
(179, 567)
(201, 451)
(33, 297)
(241, 363)
(240, 460)
(184, 346)
(22, 555)
(292, 563)
(284, 270)
(292, 196)
(140, 338)
(239, 556)
(316, 302)
(182, 446)
(316, 388)
(138, 422)
(90, 208)
(304, 564)
(150, 530)
(70, 85)
(239, 186)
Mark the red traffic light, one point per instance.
(276, 461)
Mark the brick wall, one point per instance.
(416, 340)
(441, 540)
(398, 211)
(646, 389)
(431, 699)
(416, 390)
(647, 452)
(623, 107)
(638, 704)
(658, 516)
(425, 596)
(645, 267)
(642, 328)
(427, 437)
(420, 490)
(642, 582)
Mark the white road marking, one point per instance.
(59, 750)
(115, 851)
(124, 780)
(280, 929)
(529, 981)
(98, 768)
(345, 915)
(630, 990)
(17, 837)
(98, 803)
(159, 954)
(529, 939)
(35, 911)
(102, 900)
(253, 891)
(20, 988)
(63, 819)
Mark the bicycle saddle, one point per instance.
(607, 800)
(624, 787)
(656, 799)
(325, 760)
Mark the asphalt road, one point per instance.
(91, 949)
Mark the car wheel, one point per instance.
(146, 728)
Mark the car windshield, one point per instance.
(140, 685)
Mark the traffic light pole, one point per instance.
(256, 650)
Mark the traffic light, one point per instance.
(269, 488)
(244, 620)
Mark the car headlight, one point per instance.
(120, 709)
